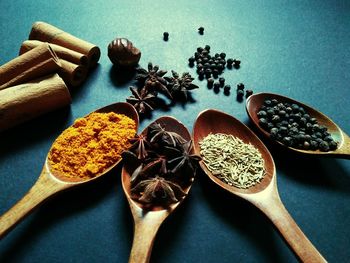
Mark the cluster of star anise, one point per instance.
(152, 81)
(164, 166)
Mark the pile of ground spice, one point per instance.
(91, 145)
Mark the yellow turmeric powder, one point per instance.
(91, 145)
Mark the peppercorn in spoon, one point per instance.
(157, 175)
(264, 194)
(52, 181)
(297, 126)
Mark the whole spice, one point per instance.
(122, 52)
(201, 30)
(179, 86)
(291, 125)
(164, 166)
(152, 79)
(141, 101)
(165, 36)
(91, 145)
(231, 160)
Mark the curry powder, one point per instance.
(91, 145)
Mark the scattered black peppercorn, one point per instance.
(236, 63)
(240, 93)
(222, 82)
(201, 30)
(227, 89)
(217, 85)
(248, 93)
(291, 125)
(165, 36)
(240, 86)
(210, 82)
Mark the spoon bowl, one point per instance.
(263, 195)
(147, 220)
(254, 102)
(51, 182)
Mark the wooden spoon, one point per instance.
(51, 182)
(254, 103)
(263, 195)
(148, 220)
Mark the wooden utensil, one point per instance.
(263, 195)
(148, 220)
(255, 101)
(50, 182)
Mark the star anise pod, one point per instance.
(157, 165)
(152, 80)
(158, 190)
(139, 146)
(185, 159)
(179, 86)
(158, 133)
(141, 101)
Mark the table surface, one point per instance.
(295, 48)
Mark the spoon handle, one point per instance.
(145, 229)
(40, 191)
(299, 243)
(344, 151)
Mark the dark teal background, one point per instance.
(295, 48)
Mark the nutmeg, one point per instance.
(122, 53)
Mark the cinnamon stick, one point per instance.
(72, 74)
(26, 101)
(36, 63)
(45, 32)
(61, 52)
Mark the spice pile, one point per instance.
(232, 161)
(91, 145)
(152, 81)
(291, 125)
(211, 67)
(164, 165)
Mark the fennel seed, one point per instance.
(231, 160)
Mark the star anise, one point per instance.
(140, 145)
(152, 80)
(158, 133)
(185, 159)
(141, 101)
(179, 86)
(158, 190)
(157, 165)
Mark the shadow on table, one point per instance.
(66, 204)
(323, 172)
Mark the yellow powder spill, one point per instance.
(91, 145)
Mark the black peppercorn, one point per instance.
(240, 86)
(201, 30)
(240, 93)
(216, 85)
(165, 36)
(248, 93)
(236, 63)
(207, 47)
(230, 61)
(210, 82)
(222, 81)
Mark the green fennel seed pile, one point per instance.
(232, 161)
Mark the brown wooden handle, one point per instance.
(299, 243)
(41, 190)
(344, 151)
(144, 235)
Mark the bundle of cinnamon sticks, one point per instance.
(36, 81)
